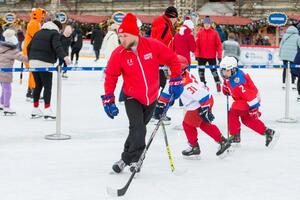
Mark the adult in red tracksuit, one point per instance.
(163, 30)
(137, 60)
(184, 41)
(209, 47)
(246, 101)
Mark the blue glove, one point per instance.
(109, 105)
(176, 87)
(206, 115)
(159, 109)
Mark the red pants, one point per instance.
(192, 121)
(235, 125)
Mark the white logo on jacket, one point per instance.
(148, 56)
(130, 62)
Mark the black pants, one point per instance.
(97, 53)
(285, 62)
(203, 61)
(162, 78)
(42, 80)
(62, 63)
(75, 51)
(139, 115)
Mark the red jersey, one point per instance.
(242, 88)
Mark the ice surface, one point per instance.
(32, 168)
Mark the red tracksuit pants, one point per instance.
(192, 121)
(253, 123)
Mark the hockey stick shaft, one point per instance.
(168, 148)
(122, 191)
(227, 109)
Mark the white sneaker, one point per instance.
(8, 111)
(294, 86)
(36, 113)
(48, 114)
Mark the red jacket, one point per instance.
(208, 44)
(140, 70)
(184, 42)
(162, 30)
(243, 91)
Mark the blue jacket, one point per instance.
(289, 44)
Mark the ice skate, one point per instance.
(48, 114)
(298, 98)
(119, 166)
(36, 113)
(271, 138)
(192, 152)
(9, 112)
(64, 75)
(1, 107)
(29, 95)
(235, 140)
(294, 86)
(224, 145)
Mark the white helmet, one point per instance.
(228, 62)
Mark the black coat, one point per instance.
(97, 38)
(46, 45)
(66, 43)
(76, 40)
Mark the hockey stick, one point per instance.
(122, 191)
(168, 148)
(227, 104)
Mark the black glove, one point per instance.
(159, 109)
(206, 115)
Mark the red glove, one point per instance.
(254, 113)
(225, 90)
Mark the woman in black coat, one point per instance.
(96, 40)
(76, 45)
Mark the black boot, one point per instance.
(224, 145)
(29, 93)
(192, 150)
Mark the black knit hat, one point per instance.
(171, 12)
(58, 24)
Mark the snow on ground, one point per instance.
(32, 168)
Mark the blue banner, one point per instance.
(52, 69)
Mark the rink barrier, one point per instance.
(58, 134)
(73, 68)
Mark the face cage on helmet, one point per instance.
(233, 72)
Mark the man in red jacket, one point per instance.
(163, 30)
(137, 60)
(209, 47)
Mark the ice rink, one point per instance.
(32, 168)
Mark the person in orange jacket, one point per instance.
(36, 17)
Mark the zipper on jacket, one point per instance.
(140, 64)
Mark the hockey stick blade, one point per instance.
(121, 191)
(112, 191)
(179, 172)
